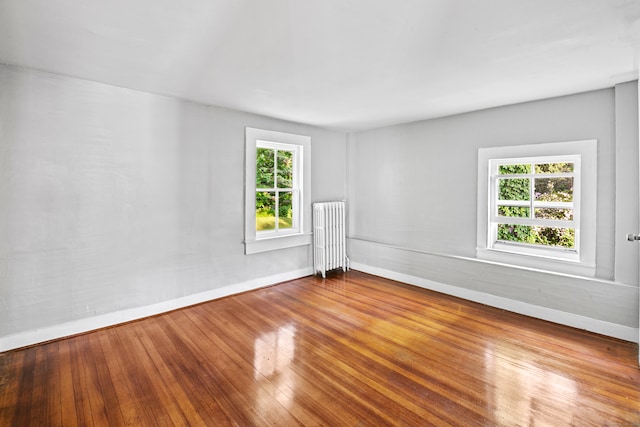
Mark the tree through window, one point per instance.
(277, 189)
(543, 193)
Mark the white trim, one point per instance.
(538, 262)
(80, 326)
(277, 242)
(253, 242)
(569, 319)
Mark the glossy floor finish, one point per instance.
(353, 350)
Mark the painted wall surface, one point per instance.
(112, 198)
(627, 181)
(413, 187)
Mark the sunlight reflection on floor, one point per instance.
(273, 352)
(523, 391)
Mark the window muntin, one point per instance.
(277, 188)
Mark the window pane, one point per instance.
(552, 213)
(516, 211)
(513, 189)
(552, 236)
(285, 169)
(554, 167)
(513, 169)
(285, 209)
(264, 167)
(515, 233)
(554, 189)
(265, 210)
(543, 236)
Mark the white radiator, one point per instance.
(329, 237)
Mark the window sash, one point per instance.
(494, 219)
(295, 189)
(295, 222)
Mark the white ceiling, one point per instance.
(342, 64)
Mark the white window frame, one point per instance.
(300, 234)
(580, 260)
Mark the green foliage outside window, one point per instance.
(274, 171)
(545, 189)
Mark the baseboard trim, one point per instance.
(569, 319)
(40, 335)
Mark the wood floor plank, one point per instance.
(11, 373)
(152, 396)
(53, 359)
(82, 394)
(121, 387)
(24, 408)
(66, 398)
(99, 367)
(351, 349)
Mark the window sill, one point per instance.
(266, 244)
(536, 261)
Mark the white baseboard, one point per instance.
(574, 320)
(79, 326)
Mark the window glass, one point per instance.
(513, 211)
(514, 169)
(285, 210)
(264, 167)
(265, 210)
(554, 167)
(552, 213)
(545, 236)
(514, 189)
(554, 189)
(285, 169)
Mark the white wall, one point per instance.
(627, 158)
(412, 191)
(113, 199)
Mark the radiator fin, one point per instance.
(329, 237)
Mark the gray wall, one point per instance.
(112, 199)
(412, 192)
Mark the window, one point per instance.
(277, 211)
(537, 205)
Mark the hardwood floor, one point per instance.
(353, 349)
